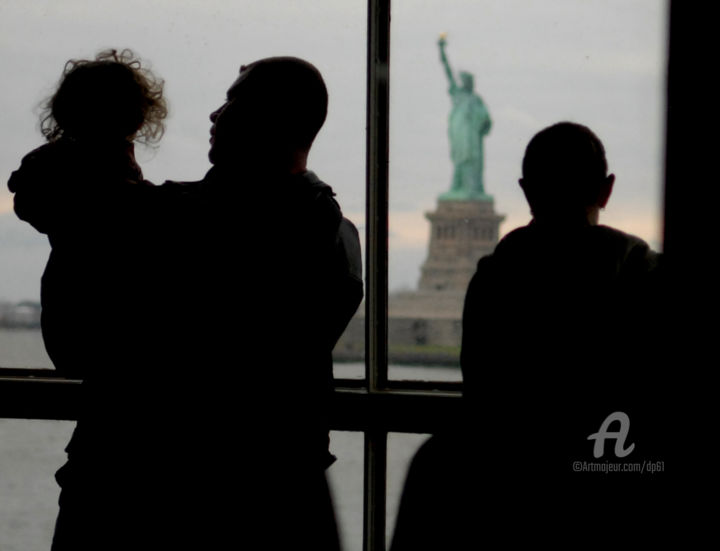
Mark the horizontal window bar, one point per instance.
(43, 394)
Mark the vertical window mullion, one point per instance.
(374, 509)
(376, 368)
(378, 100)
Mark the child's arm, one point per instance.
(35, 196)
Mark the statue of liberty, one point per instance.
(468, 125)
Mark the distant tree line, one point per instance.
(24, 314)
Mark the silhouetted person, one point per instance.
(558, 330)
(275, 271)
(71, 187)
(85, 191)
(207, 313)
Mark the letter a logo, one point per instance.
(620, 436)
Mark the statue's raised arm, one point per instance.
(442, 41)
(468, 124)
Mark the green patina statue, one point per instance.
(469, 123)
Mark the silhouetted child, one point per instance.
(85, 190)
(76, 187)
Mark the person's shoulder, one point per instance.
(34, 164)
(512, 255)
(624, 243)
(173, 196)
(169, 201)
(314, 187)
(47, 150)
(35, 186)
(517, 235)
(516, 241)
(318, 197)
(42, 152)
(618, 236)
(632, 254)
(184, 189)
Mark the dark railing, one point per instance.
(403, 406)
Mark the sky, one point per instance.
(597, 62)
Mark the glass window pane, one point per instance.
(23, 347)
(598, 63)
(443, 373)
(346, 480)
(345, 477)
(30, 453)
(401, 450)
(343, 368)
(197, 48)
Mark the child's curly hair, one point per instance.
(111, 97)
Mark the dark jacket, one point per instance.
(547, 297)
(82, 197)
(278, 268)
(559, 331)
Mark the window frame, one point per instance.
(389, 406)
(375, 405)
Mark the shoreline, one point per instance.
(447, 357)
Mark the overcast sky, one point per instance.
(598, 62)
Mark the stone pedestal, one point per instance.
(425, 326)
(461, 232)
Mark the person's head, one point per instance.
(467, 81)
(273, 112)
(108, 99)
(565, 174)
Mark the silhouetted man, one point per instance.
(557, 337)
(274, 278)
(206, 424)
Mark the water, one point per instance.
(22, 348)
(30, 453)
(32, 450)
